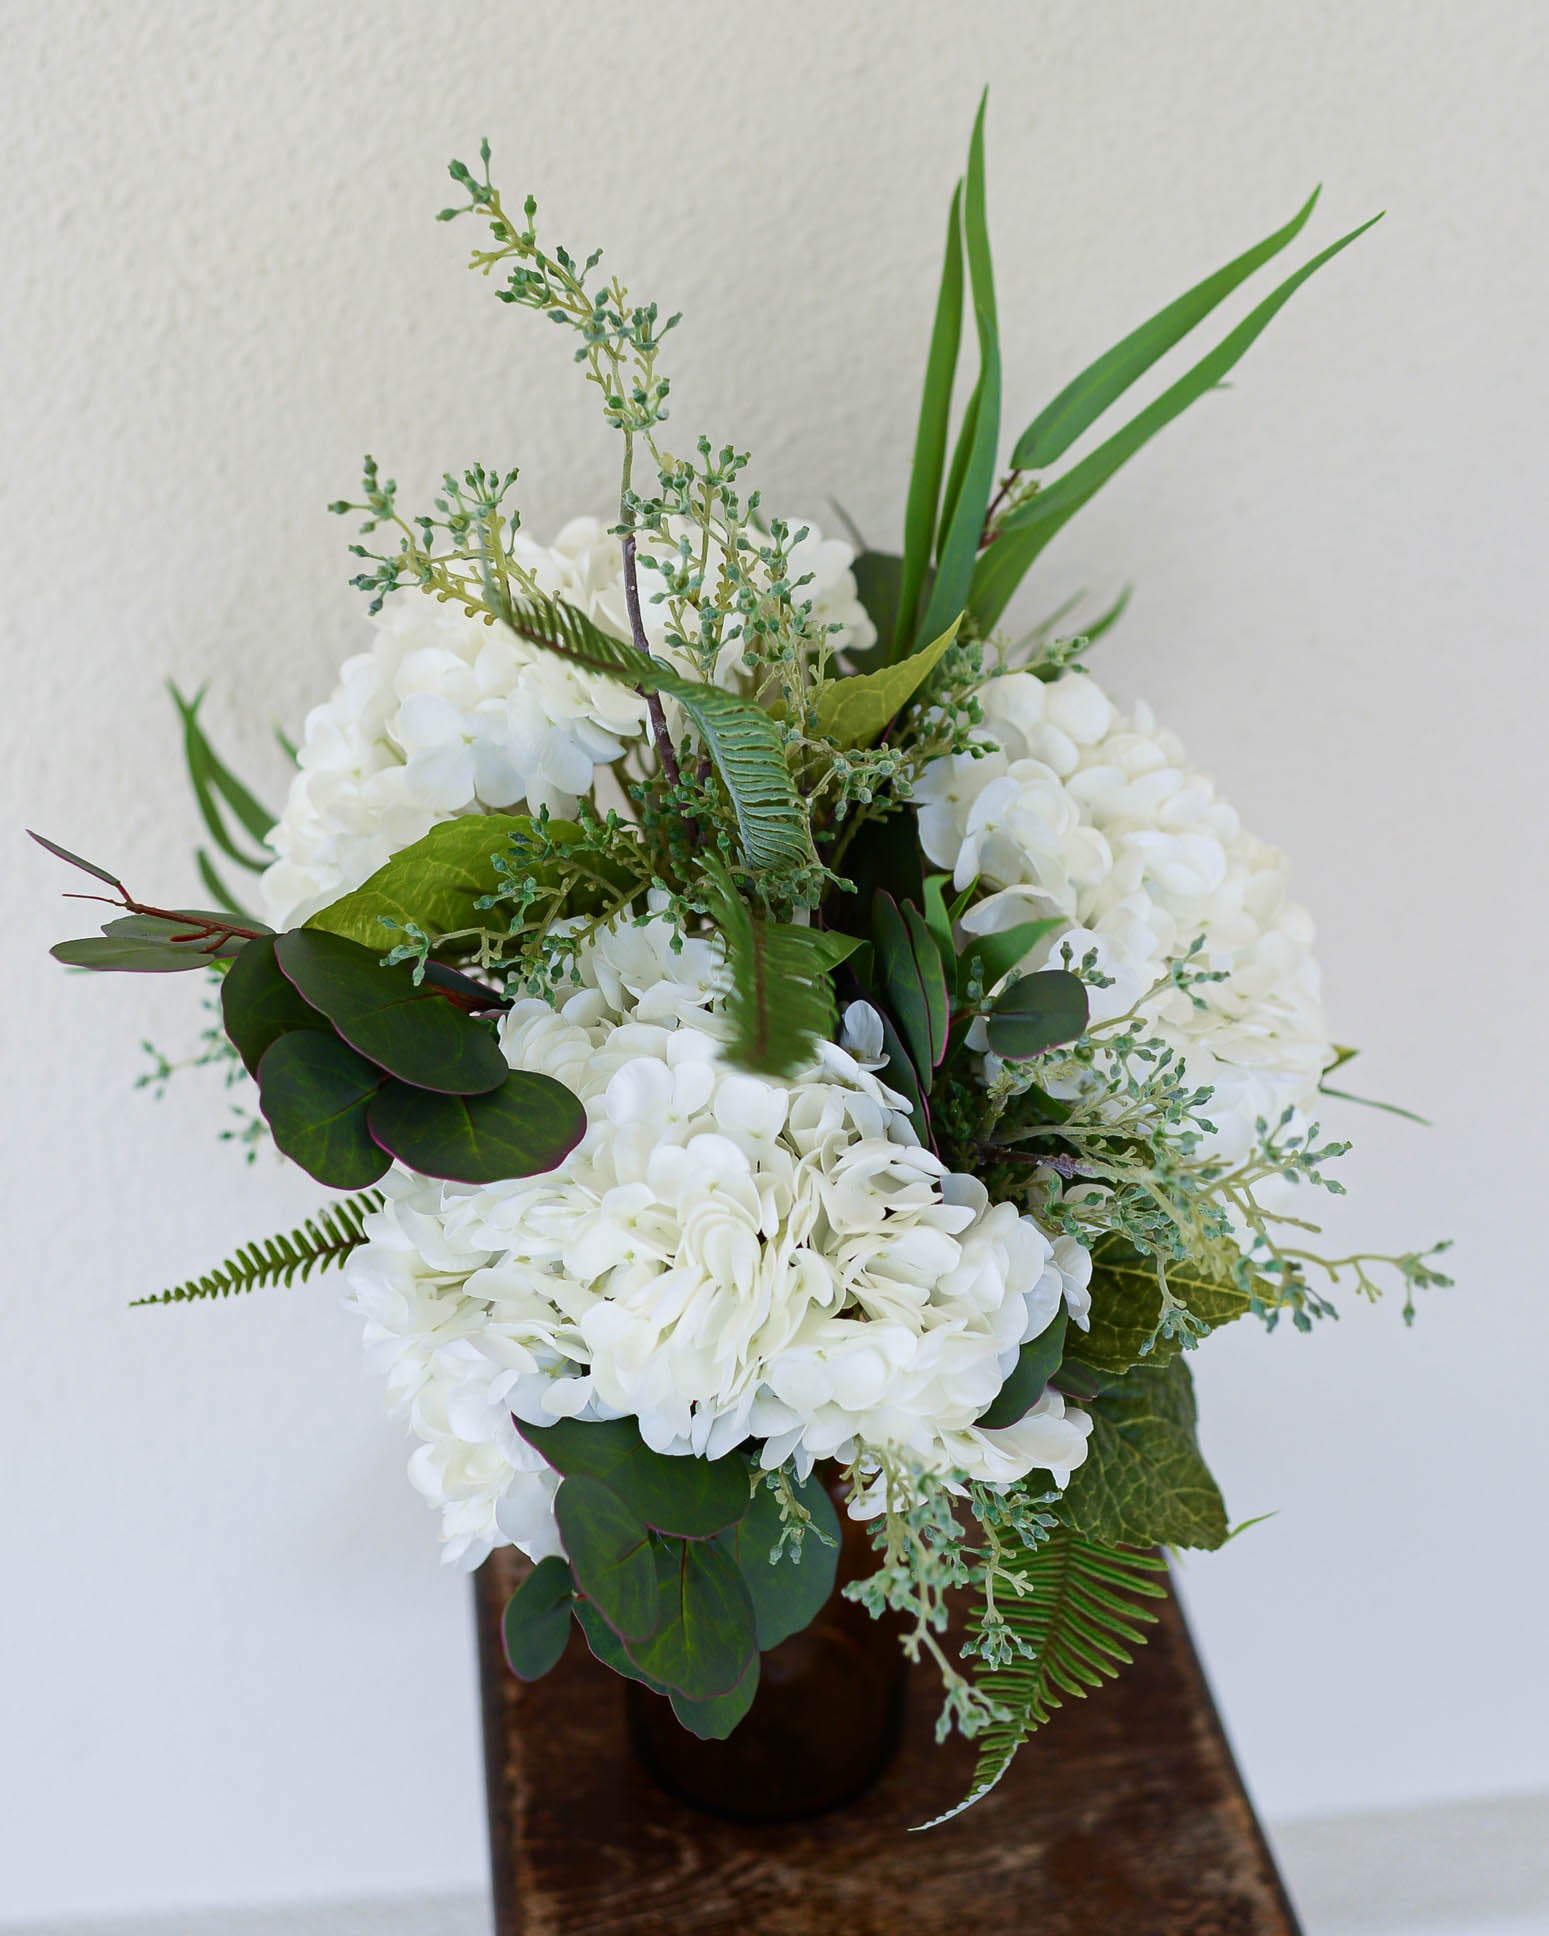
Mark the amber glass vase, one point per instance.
(824, 1723)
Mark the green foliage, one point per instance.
(224, 803)
(314, 1091)
(1036, 1364)
(259, 1003)
(611, 1555)
(965, 505)
(714, 1719)
(1081, 1613)
(1144, 1481)
(324, 1240)
(911, 979)
(779, 998)
(788, 1589)
(529, 1124)
(411, 1030)
(1086, 397)
(147, 940)
(435, 884)
(705, 1642)
(690, 1498)
(930, 442)
(1035, 1013)
(1143, 1310)
(857, 710)
(536, 1622)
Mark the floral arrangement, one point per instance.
(776, 1033)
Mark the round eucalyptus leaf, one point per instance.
(689, 1498)
(714, 1719)
(259, 1004)
(787, 1593)
(313, 1090)
(413, 1031)
(610, 1555)
(536, 1622)
(608, 1648)
(1037, 1013)
(116, 953)
(527, 1125)
(705, 1636)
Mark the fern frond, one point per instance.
(1082, 1614)
(328, 1238)
(743, 740)
(779, 996)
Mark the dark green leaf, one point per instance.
(779, 998)
(1086, 397)
(1144, 1481)
(412, 1031)
(1026, 531)
(705, 1642)
(883, 857)
(529, 1124)
(610, 1555)
(86, 866)
(930, 438)
(714, 1719)
(900, 1073)
(913, 980)
(998, 954)
(1036, 1013)
(788, 1594)
(259, 1004)
(857, 710)
(1127, 1306)
(877, 576)
(608, 1648)
(1036, 1364)
(121, 956)
(313, 1090)
(691, 1498)
(974, 462)
(187, 928)
(536, 1623)
(939, 921)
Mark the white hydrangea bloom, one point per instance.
(446, 715)
(724, 1257)
(1083, 813)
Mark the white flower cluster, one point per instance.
(445, 715)
(1083, 813)
(724, 1257)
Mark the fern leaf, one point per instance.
(328, 1238)
(742, 739)
(1080, 1618)
(780, 1000)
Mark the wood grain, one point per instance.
(1125, 1816)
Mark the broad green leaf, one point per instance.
(610, 1555)
(121, 956)
(259, 1004)
(185, 928)
(788, 1594)
(313, 1090)
(1086, 397)
(930, 438)
(1026, 531)
(435, 883)
(705, 1642)
(857, 710)
(877, 576)
(1037, 1012)
(900, 1073)
(536, 1622)
(1036, 1364)
(216, 786)
(744, 742)
(608, 1648)
(974, 463)
(779, 998)
(410, 1030)
(1144, 1481)
(714, 1719)
(997, 954)
(528, 1125)
(686, 1497)
(86, 866)
(1127, 1306)
(913, 980)
(939, 920)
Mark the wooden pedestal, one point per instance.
(1125, 1817)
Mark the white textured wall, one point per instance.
(232, 1669)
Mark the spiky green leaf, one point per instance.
(1144, 1480)
(322, 1241)
(930, 438)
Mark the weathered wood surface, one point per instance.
(1125, 1817)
